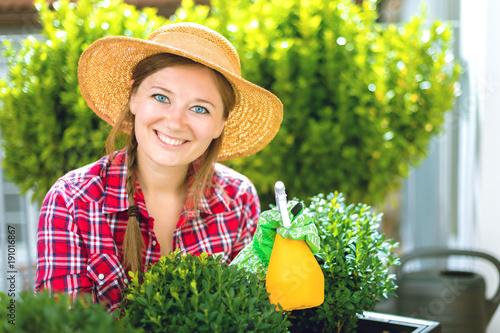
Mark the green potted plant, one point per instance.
(356, 260)
(186, 293)
(44, 313)
(183, 293)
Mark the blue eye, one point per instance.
(161, 98)
(200, 109)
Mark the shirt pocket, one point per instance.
(105, 269)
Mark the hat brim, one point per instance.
(104, 75)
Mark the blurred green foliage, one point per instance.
(47, 128)
(45, 313)
(362, 100)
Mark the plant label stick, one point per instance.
(280, 195)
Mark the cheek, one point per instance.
(143, 112)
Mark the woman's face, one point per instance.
(178, 112)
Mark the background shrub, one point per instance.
(47, 128)
(362, 100)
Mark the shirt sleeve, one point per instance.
(61, 257)
(250, 207)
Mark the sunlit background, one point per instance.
(450, 200)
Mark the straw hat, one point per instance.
(105, 70)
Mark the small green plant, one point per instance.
(356, 261)
(186, 293)
(45, 313)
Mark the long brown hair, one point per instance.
(199, 182)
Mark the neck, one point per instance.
(157, 180)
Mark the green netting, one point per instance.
(255, 256)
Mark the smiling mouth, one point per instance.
(168, 140)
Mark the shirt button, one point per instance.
(101, 276)
(125, 280)
(154, 243)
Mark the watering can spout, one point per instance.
(463, 308)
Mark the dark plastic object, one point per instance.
(456, 299)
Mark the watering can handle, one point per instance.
(492, 303)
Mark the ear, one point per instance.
(219, 131)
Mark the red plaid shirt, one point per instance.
(84, 217)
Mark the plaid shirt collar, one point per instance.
(115, 196)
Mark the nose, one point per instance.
(176, 118)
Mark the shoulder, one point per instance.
(232, 182)
(83, 183)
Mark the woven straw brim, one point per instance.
(104, 74)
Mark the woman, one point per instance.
(180, 97)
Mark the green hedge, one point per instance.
(47, 128)
(362, 100)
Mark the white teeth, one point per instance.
(169, 141)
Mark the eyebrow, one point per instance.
(199, 100)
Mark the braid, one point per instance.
(133, 242)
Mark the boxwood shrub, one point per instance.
(186, 293)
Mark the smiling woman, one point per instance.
(180, 97)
